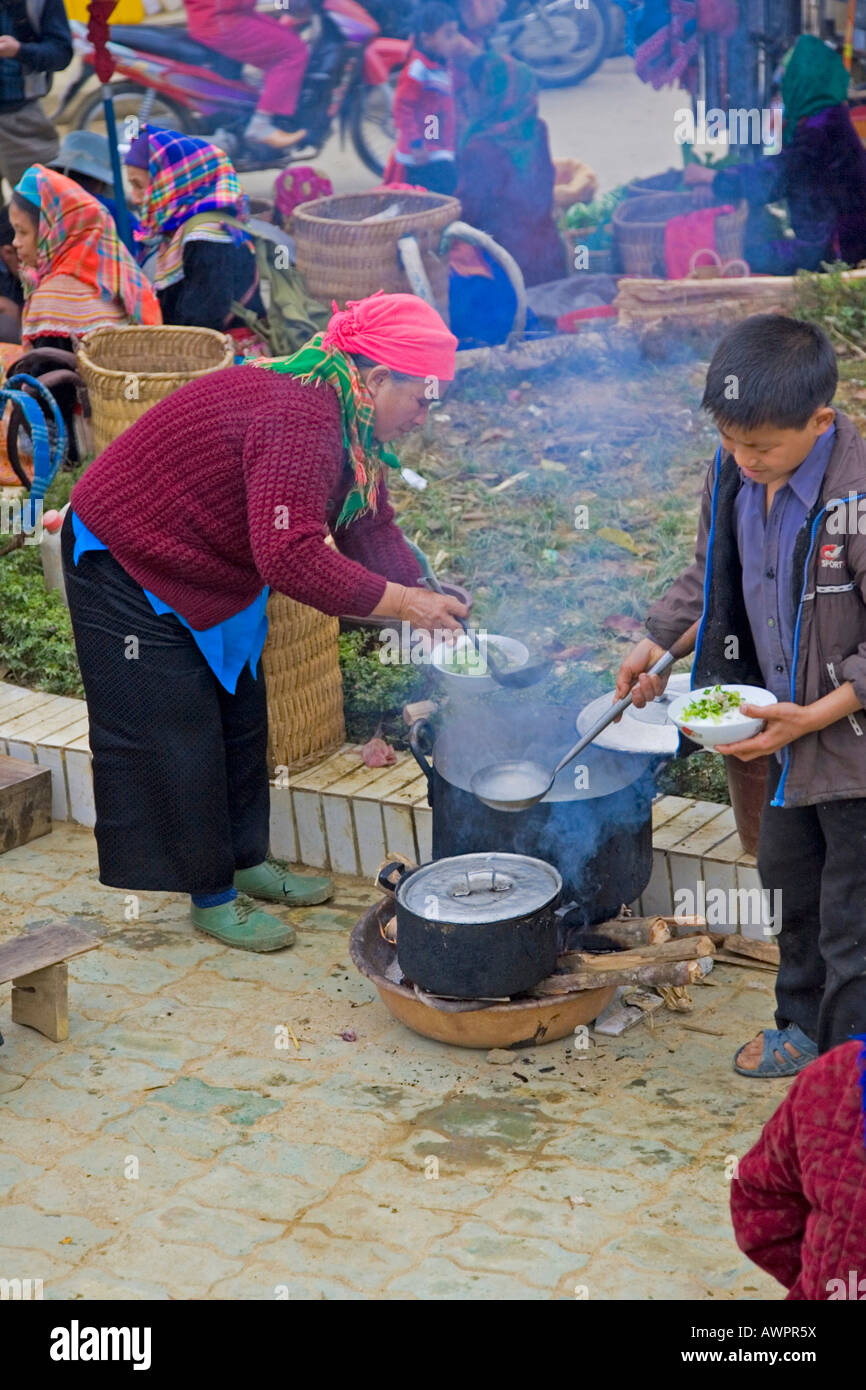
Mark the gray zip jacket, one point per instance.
(829, 578)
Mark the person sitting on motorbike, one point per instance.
(189, 201)
(424, 111)
(233, 28)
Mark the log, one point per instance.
(632, 931)
(672, 972)
(685, 926)
(765, 951)
(731, 958)
(692, 926)
(640, 303)
(689, 948)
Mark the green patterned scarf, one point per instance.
(313, 363)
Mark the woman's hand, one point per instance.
(785, 723)
(434, 612)
(632, 674)
(421, 607)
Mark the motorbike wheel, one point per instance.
(374, 134)
(576, 42)
(131, 100)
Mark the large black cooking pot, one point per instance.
(478, 926)
(594, 825)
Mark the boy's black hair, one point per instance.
(770, 370)
(431, 16)
(7, 231)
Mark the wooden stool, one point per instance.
(36, 965)
(25, 802)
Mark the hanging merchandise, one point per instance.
(718, 17)
(670, 56)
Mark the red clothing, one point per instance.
(424, 110)
(231, 483)
(208, 13)
(232, 27)
(799, 1200)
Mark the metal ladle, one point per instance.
(519, 679)
(519, 784)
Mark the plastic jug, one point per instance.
(52, 561)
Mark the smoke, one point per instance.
(596, 834)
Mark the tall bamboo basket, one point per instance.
(343, 257)
(127, 370)
(301, 662)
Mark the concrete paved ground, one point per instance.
(172, 1149)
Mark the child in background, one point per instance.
(424, 111)
(798, 1198)
(779, 584)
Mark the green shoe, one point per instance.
(274, 881)
(240, 923)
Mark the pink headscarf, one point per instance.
(399, 331)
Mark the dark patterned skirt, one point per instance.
(180, 774)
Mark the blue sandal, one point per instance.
(769, 1067)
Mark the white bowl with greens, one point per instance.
(462, 668)
(711, 715)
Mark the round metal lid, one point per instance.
(648, 730)
(479, 888)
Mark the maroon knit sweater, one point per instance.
(232, 482)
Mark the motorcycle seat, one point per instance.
(172, 41)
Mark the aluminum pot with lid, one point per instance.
(478, 926)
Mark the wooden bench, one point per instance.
(36, 965)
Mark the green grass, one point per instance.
(36, 646)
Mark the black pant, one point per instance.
(437, 176)
(816, 857)
(180, 775)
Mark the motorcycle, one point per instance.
(563, 41)
(164, 77)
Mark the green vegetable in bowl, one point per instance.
(467, 663)
(713, 704)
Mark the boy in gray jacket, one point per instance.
(779, 585)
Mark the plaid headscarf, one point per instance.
(315, 363)
(76, 236)
(188, 177)
(503, 106)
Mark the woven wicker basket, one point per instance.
(301, 662)
(639, 228)
(342, 257)
(127, 370)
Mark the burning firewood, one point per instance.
(750, 951)
(632, 931)
(689, 948)
(667, 963)
(671, 972)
